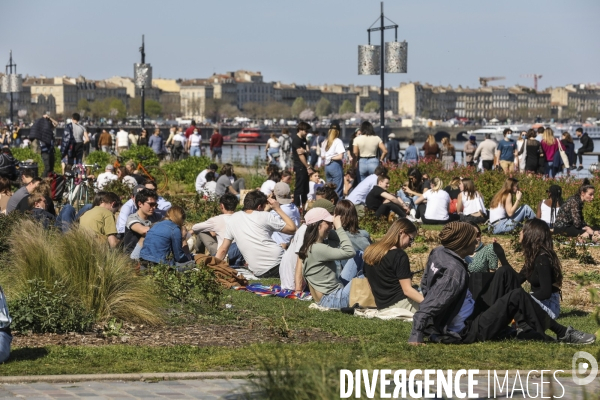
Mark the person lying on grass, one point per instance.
(448, 313)
(387, 268)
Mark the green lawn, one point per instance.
(364, 344)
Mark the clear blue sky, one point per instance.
(308, 41)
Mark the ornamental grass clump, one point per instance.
(100, 279)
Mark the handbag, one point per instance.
(563, 155)
(361, 294)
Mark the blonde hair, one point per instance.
(431, 140)
(176, 214)
(436, 184)
(446, 143)
(548, 136)
(503, 193)
(331, 136)
(375, 252)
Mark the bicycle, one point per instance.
(80, 185)
(152, 172)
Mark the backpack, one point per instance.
(8, 166)
(286, 144)
(58, 185)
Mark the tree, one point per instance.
(116, 108)
(152, 108)
(298, 106)
(307, 115)
(253, 110)
(277, 110)
(347, 107)
(372, 106)
(83, 106)
(216, 109)
(323, 108)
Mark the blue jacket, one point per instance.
(161, 240)
(156, 144)
(411, 153)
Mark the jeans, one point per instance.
(235, 255)
(341, 297)
(65, 218)
(217, 152)
(366, 166)
(400, 193)
(551, 305)
(195, 151)
(5, 340)
(508, 224)
(550, 169)
(106, 149)
(334, 173)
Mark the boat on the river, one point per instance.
(250, 135)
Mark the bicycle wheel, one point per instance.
(157, 175)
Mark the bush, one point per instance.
(7, 224)
(196, 208)
(42, 309)
(98, 157)
(119, 188)
(143, 154)
(186, 170)
(28, 154)
(376, 226)
(102, 280)
(197, 285)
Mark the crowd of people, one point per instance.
(310, 237)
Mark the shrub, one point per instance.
(102, 280)
(7, 224)
(43, 308)
(197, 285)
(143, 154)
(196, 208)
(374, 225)
(98, 157)
(28, 154)
(119, 188)
(186, 170)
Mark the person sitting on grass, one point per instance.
(129, 206)
(268, 185)
(37, 203)
(327, 192)
(314, 182)
(319, 262)
(5, 334)
(570, 222)
(448, 314)
(228, 183)
(470, 205)
(387, 268)
(486, 257)
(542, 267)
(383, 202)
(349, 181)
(101, 219)
(358, 196)
(360, 238)
(201, 178)
(286, 177)
(548, 208)
(434, 205)
(416, 186)
(165, 238)
(505, 215)
(139, 223)
(285, 199)
(209, 190)
(252, 229)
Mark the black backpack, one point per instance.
(8, 166)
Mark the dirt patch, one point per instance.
(200, 335)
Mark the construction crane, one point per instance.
(535, 79)
(484, 81)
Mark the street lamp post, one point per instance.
(11, 83)
(143, 78)
(373, 60)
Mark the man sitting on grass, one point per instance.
(450, 314)
(252, 229)
(101, 219)
(382, 202)
(201, 178)
(358, 196)
(140, 222)
(37, 204)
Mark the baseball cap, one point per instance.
(282, 193)
(472, 137)
(317, 214)
(335, 125)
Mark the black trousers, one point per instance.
(487, 164)
(580, 155)
(451, 218)
(48, 159)
(301, 188)
(77, 154)
(385, 209)
(500, 300)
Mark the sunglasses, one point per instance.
(411, 239)
(153, 205)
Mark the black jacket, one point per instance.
(444, 285)
(587, 144)
(42, 130)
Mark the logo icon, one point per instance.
(581, 368)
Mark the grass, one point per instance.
(362, 343)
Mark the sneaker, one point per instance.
(573, 336)
(411, 218)
(413, 213)
(579, 168)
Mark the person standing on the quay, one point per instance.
(393, 148)
(193, 144)
(486, 151)
(285, 147)
(470, 148)
(190, 130)
(301, 167)
(73, 139)
(216, 145)
(507, 152)
(156, 143)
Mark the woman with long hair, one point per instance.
(359, 238)
(143, 139)
(269, 185)
(470, 205)
(365, 148)
(319, 260)
(124, 176)
(453, 190)
(436, 211)
(5, 193)
(569, 147)
(542, 267)
(448, 153)
(387, 267)
(413, 188)
(548, 208)
(431, 150)
(165, 238)
(332, 153)
(550, 147)
(569, 220)
(506, 215)
(534, 153)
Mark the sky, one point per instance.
(308, 41)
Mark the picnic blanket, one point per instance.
(276, 291)
(388, 314)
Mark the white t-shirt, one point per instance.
(337, 147)
(122, 139)
(287, 268)
(437, 204)
(291, 211)
(201, 180)
(180, 137)
(252, 233)
(104, 178)
(267, 187)
(360, 192)
(210, 190)
(367, 145)
(195, 140)
(273, 143)
(216, 224)
(472, 206)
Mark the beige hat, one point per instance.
(282, 193)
